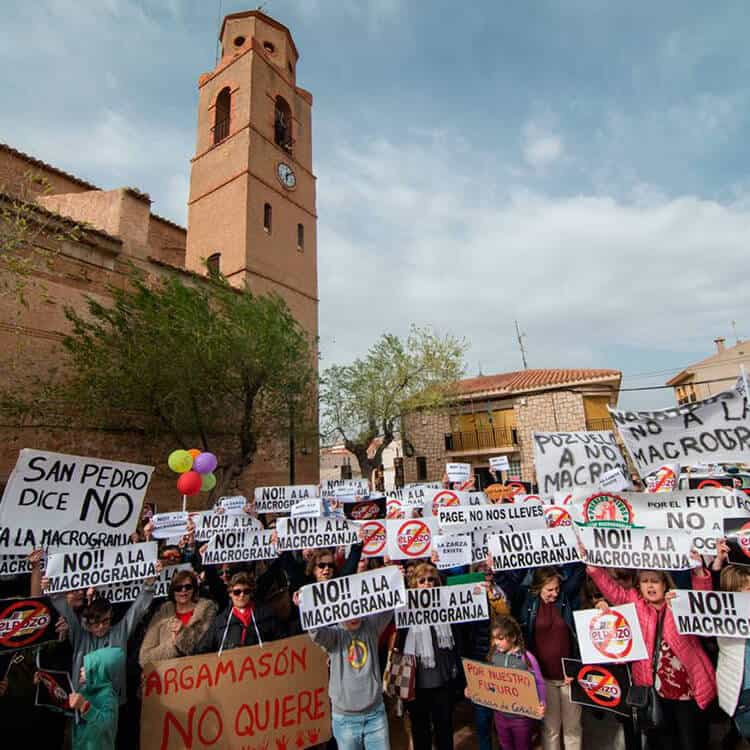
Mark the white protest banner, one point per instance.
(68, 571)
(122, 593)
(411, 497)
(651, 549)
(716, 430)
(452, 550)
(13, 565)
(239, 546)
(374, 537)
(281, 499)
(574, 459)
(54, 500)
(611, 635)
(480, 545)
(510, 517)
(410, 538)
(208, 522)
(233, 506)
(724, 614)
(615, 480)
(533, 549)
(664, 479)
(310, 506)
(168, 525)
(458, 472)
(313, 533)
(499, 463)
(351, 597)
(436, 499)
(444, 605)
(477, 498)
(426, 485)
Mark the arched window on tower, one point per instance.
(212, 265)
(282, 124)
(300, 237)
(267, 217)
(222, 113)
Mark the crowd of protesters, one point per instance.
(104, 646)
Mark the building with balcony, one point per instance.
(494, 415)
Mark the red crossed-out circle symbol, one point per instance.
(414, 538)
(394, 508)
(557, 516)
(709, 483)
(444, 497)
(517, 487)
(664, 475)
(743, 538)
(611, 635)
(365, 509)
(374, 538)
(600, 685)
(21, 617)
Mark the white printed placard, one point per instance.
(310, 506)
(121, 593)
(54, 500)
(426, 485)
(68, 571)
(240, 546)
(13, 565)
(510, 517)
(169, 525)
(374, 537)
(444, 605)
(649, 549)
(615, 480)
(234, 505)
(453, 550)
(499, 463)
(437, 499)
(352, 597)
(208, 522)
(458, 472)
(724, 614)
(536, 548)
(664, 479)
(410, 538)
(715, 430)
(610, 635)
(411, 497)
(281, 499)
(313, 533)
(480, 545)
(346, 490)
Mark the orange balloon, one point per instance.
(194, 452)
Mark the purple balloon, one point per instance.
(205, 463)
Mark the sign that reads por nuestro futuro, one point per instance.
(443, 605)
(281, 499)
(512, 691)
(535, 548)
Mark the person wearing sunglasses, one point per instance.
(180, 623)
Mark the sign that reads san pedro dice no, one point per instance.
(269, 696)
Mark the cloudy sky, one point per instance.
(579, 165)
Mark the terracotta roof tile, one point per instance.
(48, 167)
(529, 380)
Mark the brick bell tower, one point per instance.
(251, 211)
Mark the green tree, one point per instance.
(192, 359)
(365, 399)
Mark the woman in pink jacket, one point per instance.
(685, 680)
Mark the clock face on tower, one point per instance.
(286, 175)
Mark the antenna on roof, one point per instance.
(480, 368)
(218, 26)
(521, 336)
(734, 330)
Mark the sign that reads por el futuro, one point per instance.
(723, 614)
(54, 500)
(512, 691)
(611, 635)
(574, 459)
(351, 597)
(511, 517)
(715, 430)
(443, 605)
(128, 592)
(239, 547)
(281, 499)
(535, 548)
(300, 532)
(68, 571)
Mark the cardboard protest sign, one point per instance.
(453, 550)
(512, 691)
(515, 517)
(535, 548)
(737, 533)
(232, 506)
(409, 539)
(128, 592)
(209, 522)
(54, 500)
(599, 685)
(614, 479)
(664, 479)
(458, 472)
(611, 635)
(53, 688)
(499, 463)
(350, 597)
(650, 549)
(313, 533)
(26, 622)
(437, 499)
(443, 605)
(725, 614)
(13, 565)
(574, 459)
(374, 537)
(240, 547)
(68, 571)
(281, 499)
(715, 430)
(269, 696)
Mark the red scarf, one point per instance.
(245, 618)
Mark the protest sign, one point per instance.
(664, 479)
(313, 533)
(477, 498)
(374, 537)
(13, 565)
(53, 689)
(351, 597)
(715, 430)
(512, 691)
(737, 533)
(615, 480)
(54, 500)
(452, 550)
(574, 459)
(511, 517)
(599, 685)
(374, 507)
(611, 635)
(724, 614)
(240, 546)
(650, 549)
(458, 472)
(232, 506)
(480, 545)
(209, 522)
(409, 539)
(436, 499)
(122, 593)
(68, 571)
(535, 548)
(412, 497)
(499, 463)
(169, 525)
(281, 499)
(269, 696)
(26, 622)
(443, 605)
(426, 485)
(310, 507)
(557, 515)
(346, 490)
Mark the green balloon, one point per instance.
(208, 483)
(180, 461)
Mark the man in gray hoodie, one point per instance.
(357, 710)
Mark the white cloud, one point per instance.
(540, 147)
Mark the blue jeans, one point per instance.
(366, 731)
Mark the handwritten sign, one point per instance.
(512, 691)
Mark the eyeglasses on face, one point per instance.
(241, 592)
(225, 573)
(429, 579)
(326, 565)
(183, 587)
